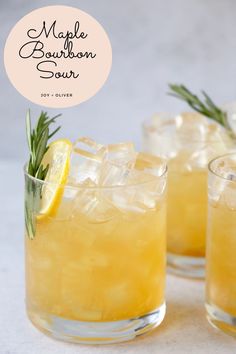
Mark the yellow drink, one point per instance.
(187, 212)
(95, 266)
(221, 266)
(189, 141)
(221, 244)
(86, 271)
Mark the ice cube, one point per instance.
(150, 165)
(222, 183)
(227, 169)
(91, 203)
(230, 109)
(159, 136)
(216, 188)
(89, 148)
(199, 142)
(86, 161)
(123, 200)
(112, 174)
(102, 211)
(157, 120)
(222, 191)
(219, 140)
(148, 190)
(191, 124)
(230, 195)
(120, 160)
(122, 154)
(142, 190)
(191, 131)
(200, 157)
(96, 169)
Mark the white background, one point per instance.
(154, 42)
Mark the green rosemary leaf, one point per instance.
(45, 171)
(40, 148)
(206, 107)
(54, 132)
(37, 139)
(39, 173)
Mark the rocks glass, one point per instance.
(221, 244)
(95, 270)
(189, 141)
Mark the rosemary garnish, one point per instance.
(38, 145)
(206, 107)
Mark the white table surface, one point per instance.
(184, 330)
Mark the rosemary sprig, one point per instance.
(206, 106)
(37, 139)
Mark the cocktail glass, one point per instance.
(221, 244)
(189, 141)
(95, 271)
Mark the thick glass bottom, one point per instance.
(186, 266)
(221, 320)
(97, 332)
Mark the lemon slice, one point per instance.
(58, 158)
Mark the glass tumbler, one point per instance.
(221, 244)
(97, 277)
(189, 141)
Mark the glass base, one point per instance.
(186, 266)
(221, 320)
(97, 332)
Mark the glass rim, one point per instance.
(184, 136)
(210, 167)
(97, 187)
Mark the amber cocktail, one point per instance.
(221, 244)
(95, 270)
(189, 141)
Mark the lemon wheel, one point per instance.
(58, 159)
